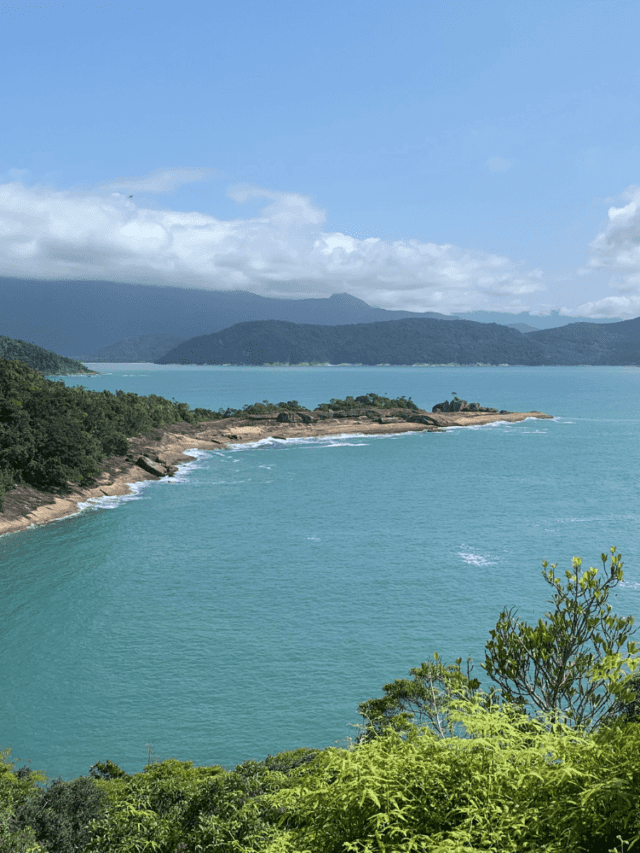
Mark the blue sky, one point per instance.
(445, 156)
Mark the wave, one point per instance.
(475, 559)
(113, 501)
(342, 439)
(136, 489)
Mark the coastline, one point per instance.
(165, 448)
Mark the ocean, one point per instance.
(248, 605)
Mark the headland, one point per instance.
(158, 453)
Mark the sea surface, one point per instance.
(248, 605)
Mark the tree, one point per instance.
(426, 699)
(575, 663)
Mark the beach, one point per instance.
(167, 447)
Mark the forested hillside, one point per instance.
(410, 341)
(52, 435)
(413, 341)
(40, 359)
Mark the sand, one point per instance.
(26, 507)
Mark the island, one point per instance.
(157, 452)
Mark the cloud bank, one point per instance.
(283, 251)
(616, 249)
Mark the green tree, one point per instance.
(575, 663)
(428, 698)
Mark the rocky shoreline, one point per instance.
(157, 454)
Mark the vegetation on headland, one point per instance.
(40, 359)
(53, 437)
(544, 761)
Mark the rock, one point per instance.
(422, 419)
(457, 405)
(151, 467)
(286, 418)
(441, 407)
(306, 418)
(474, 407)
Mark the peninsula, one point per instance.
(157, 452)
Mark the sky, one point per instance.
(426, 156)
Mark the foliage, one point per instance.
(174, 806)
(507, 787)
(52, 435)
(367, 400)
(572, 663)
(39, 359)
(61, 813)
(428, 698)
(17, 787)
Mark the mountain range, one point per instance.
(412, 341)
(111, 321)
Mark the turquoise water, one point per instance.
(249, 605)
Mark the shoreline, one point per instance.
(165, 448)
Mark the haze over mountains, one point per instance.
(111, 321)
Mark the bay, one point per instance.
(250, 604)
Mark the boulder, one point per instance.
(151, 467)
(422, 419)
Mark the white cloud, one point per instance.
(283, 251)
(616, 250)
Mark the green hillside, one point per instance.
(407, 341)
(52, 435)
(40, 359)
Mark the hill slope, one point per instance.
(40, 359)
(138, 348)
(411, 341)
(79, 317)
(592, 343)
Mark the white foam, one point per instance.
(113, 501)
(475, 559)
(181, 475)
(338, 440)
(179, 478)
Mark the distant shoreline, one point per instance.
(167, 447)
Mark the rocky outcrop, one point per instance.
(157, 467)
(295, 418)
(458, 405)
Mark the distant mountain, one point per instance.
(39, 359)
(78, 317)
(590, 343)
(413, 341)
(536, 321)
(410, 341)
(522, 327)
(140, 348)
